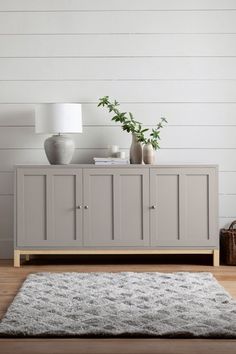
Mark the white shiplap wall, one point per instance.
(175, 58)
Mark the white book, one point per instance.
(125, 162)
(109, 159)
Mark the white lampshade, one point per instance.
(58, 118)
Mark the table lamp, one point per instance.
(58, 118)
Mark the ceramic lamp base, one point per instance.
(59, 149)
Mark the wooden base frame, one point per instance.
(27, 253)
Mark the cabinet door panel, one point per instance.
(64, 208)
(46, 207)
(133, 208)
(31, 208)
(118, 207)
(32, 213)
(197, 204)
(99, 217)
(165, 218)
(186, 213)
(65, 220)
(201, 207)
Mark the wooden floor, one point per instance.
(12, 278)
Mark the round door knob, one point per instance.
(86, 207)
(79, 207)
(153, 207)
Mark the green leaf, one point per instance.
(129, 124)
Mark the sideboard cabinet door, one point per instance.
(99, 189)
(132, 207)
(65, 201)
(185, 213)
(116, 207)
(47, 207)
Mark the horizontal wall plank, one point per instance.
(224, 158)
(118, 45)
(177, 114)
(225, 222)
(117, 68)
(227, 183)
(60, 5)
(209, 137)
(127, 91)
(191, 137)
(118, 22)
(227, 205)
(11, 157)
(17, 115)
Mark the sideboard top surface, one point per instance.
(118, 166)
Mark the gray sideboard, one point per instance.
(136, 209)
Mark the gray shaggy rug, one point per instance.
(121, 304)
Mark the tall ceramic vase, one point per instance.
(148, 154)
(136, 151)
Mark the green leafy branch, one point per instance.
(154, 136)
(130, 125)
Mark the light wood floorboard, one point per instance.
(12, 278)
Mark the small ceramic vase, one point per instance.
(148, 154)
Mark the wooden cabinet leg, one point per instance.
(216, 258)
(16, 258)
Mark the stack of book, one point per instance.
(110, 161)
